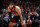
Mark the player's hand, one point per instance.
(21, 23)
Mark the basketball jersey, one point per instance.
(16, 19)
(13, 9)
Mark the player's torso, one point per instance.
(16, 17)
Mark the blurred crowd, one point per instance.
(30, 11)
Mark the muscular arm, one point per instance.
(9, 9)
(19, 12)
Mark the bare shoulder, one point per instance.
(17, 7)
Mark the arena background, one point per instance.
(29, 8)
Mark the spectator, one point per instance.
(3, 10)
(33, 22)
(29, 22)
(28, 15)
(24, 22)
(6, 18)
(2, 17)
(39, 25)
(36, 22)
(31, 9)
(22, 10)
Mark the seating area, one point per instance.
(30, 11)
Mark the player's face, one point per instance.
(10, 6)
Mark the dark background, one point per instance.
(3, 4)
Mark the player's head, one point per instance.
(11, 5)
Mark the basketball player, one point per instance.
(15, 9)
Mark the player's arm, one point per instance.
(8, 8)
(19, 12)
